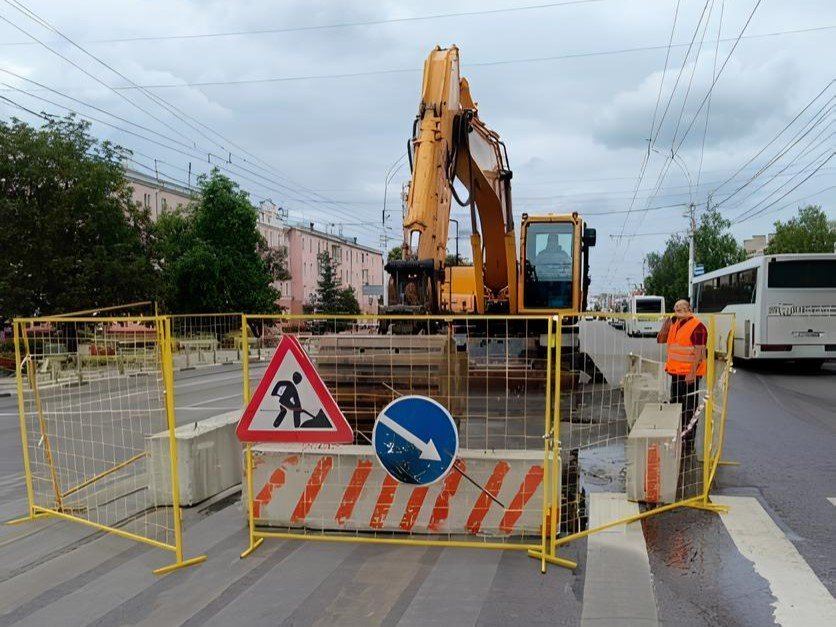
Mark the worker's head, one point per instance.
(553, 244)
(682, 309)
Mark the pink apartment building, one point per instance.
(360, 267)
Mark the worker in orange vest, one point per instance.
(686, 338)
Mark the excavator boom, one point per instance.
(451, 143)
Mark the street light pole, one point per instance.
(390, 174)
(456, 222)
(691, 234)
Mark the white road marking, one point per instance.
(618, 589)
(832, 499)
(211, 400)
(800, 598)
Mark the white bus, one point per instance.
(785, 306)
(642, 304)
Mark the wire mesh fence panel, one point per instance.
(93, 397)
(206, 340)
(724, 351)
(490, 374)
(633, 430)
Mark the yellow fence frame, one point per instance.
(546, 550)
(711, 458)
(543, 549)
(164, 344)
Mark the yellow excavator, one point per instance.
(451, 147)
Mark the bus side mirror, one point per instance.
(589, 237)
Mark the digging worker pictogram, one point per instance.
(289, 400)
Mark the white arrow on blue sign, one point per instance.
(415, 440)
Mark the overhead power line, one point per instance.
(315, 27)
(177, 113)
(795, 187)
(383, 72)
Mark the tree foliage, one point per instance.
(809, 232)
(330, 297)
(71, 239)
(395, 254)
(714, 248)
(212, 257)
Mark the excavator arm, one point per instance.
(451, 143)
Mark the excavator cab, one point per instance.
(554, 263)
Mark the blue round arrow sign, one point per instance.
(415, 440)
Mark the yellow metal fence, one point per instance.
(547, 409)
(92, 395)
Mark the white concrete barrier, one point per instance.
(653, 451)
(208, 460)
(343, 487)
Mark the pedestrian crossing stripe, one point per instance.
(292, 403)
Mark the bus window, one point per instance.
(648, 305)
(802, 273)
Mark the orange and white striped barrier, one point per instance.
(342, 487)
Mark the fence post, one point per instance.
(254, 544)
(245, 358)
(24, 441)
(556, 341)
(168, 384)
(708, 431)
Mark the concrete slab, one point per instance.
(618, 590)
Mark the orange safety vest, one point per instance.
(681, 351)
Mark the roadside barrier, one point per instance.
(556, 415)
(91, 394)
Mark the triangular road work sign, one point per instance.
(292, 404)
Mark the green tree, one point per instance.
(395, 254)
(330, 297)
(714, 248)
(213, 258)
(453, 260)
(347, 301)
(809, 232)
(70, 238)
(326, 298)
(668, 270)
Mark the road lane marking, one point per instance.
(832, 499)
(210, 400)
(800, 597)
(618, 589)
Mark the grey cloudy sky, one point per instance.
(314, 116)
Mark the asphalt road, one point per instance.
(769, 561)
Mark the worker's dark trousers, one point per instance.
(688, 395)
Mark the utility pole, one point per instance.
(692, 230)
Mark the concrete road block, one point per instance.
(639, 390)
(208, 460)
(653, 454)
(342, 487)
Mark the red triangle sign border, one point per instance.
(342, 432)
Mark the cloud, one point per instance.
(747, 97)
(575, 128)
